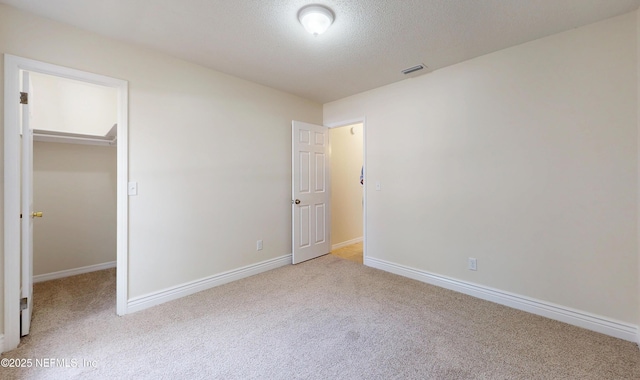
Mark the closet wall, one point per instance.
(75, 187)
(70, 106)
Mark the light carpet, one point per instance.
(327, 318)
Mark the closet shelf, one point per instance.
(110, 139)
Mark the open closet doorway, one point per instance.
(19, 265)
(74, 176)
(347, 195)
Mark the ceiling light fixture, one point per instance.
(316, 19)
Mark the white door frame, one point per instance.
(364, 164)
(12, 67)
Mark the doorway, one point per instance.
(347, 191)
(14, 281)
(74, 176)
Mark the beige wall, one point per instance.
(211, 154)
(65, 105)
(75, 187)
(346, 191)
(526, 159)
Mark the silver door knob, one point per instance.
(297, 201)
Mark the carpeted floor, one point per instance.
(327, 318)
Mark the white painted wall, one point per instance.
(75, 187)
(65, 105)
(346, 191)
(211, 154)
(526, 159)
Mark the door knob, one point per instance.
(297, 201)
(37, 214)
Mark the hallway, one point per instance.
(351, 252)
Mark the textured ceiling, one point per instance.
(366, 47)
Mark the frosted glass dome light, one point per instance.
(316, 19)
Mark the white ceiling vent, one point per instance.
(413, 69)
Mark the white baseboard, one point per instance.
(346, 243)
(175, 292)
(571, 316)
(73, 272)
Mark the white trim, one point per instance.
(565, 314)
(346, 243)
(73, 272)
(122, 200)
(12, 67)
(175, 292)
(1, 343)
(11, 206)
(345, 123)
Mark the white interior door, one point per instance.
(27, 214)
(311, 197)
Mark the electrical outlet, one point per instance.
(259, 245)
(473, 264)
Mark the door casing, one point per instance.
(12, 67)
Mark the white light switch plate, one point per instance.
(133, 188)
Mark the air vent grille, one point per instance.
(413, 69)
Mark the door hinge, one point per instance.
(23, 303)
(24, 98)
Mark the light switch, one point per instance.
(377, 185)
(133, 188)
